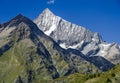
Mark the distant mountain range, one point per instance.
(49, 48)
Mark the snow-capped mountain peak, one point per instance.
(69, 35)
(47, 11)
(63, 31)
(47, 20)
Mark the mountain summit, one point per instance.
(54, 25)
(69, 35)
(47, 10)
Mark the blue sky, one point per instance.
(102, 16)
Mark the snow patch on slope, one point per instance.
(119, 47)
(63, 45)
(52, 28)
(104, 49)
(75, 46)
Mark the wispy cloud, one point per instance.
(51, 2)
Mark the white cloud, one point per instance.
(51, 2)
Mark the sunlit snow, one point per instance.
(52, 28)
(104, 48)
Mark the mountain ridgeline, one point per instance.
(69, 35)
(50, 48)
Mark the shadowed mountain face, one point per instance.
(69, 35)
(27, 55)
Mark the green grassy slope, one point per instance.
(20, 60)
(111, 76)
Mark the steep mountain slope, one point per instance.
(27, 55)
(69, 35)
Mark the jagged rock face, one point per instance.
(69, 35)
(63, 31)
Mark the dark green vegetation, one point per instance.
(27, 55)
